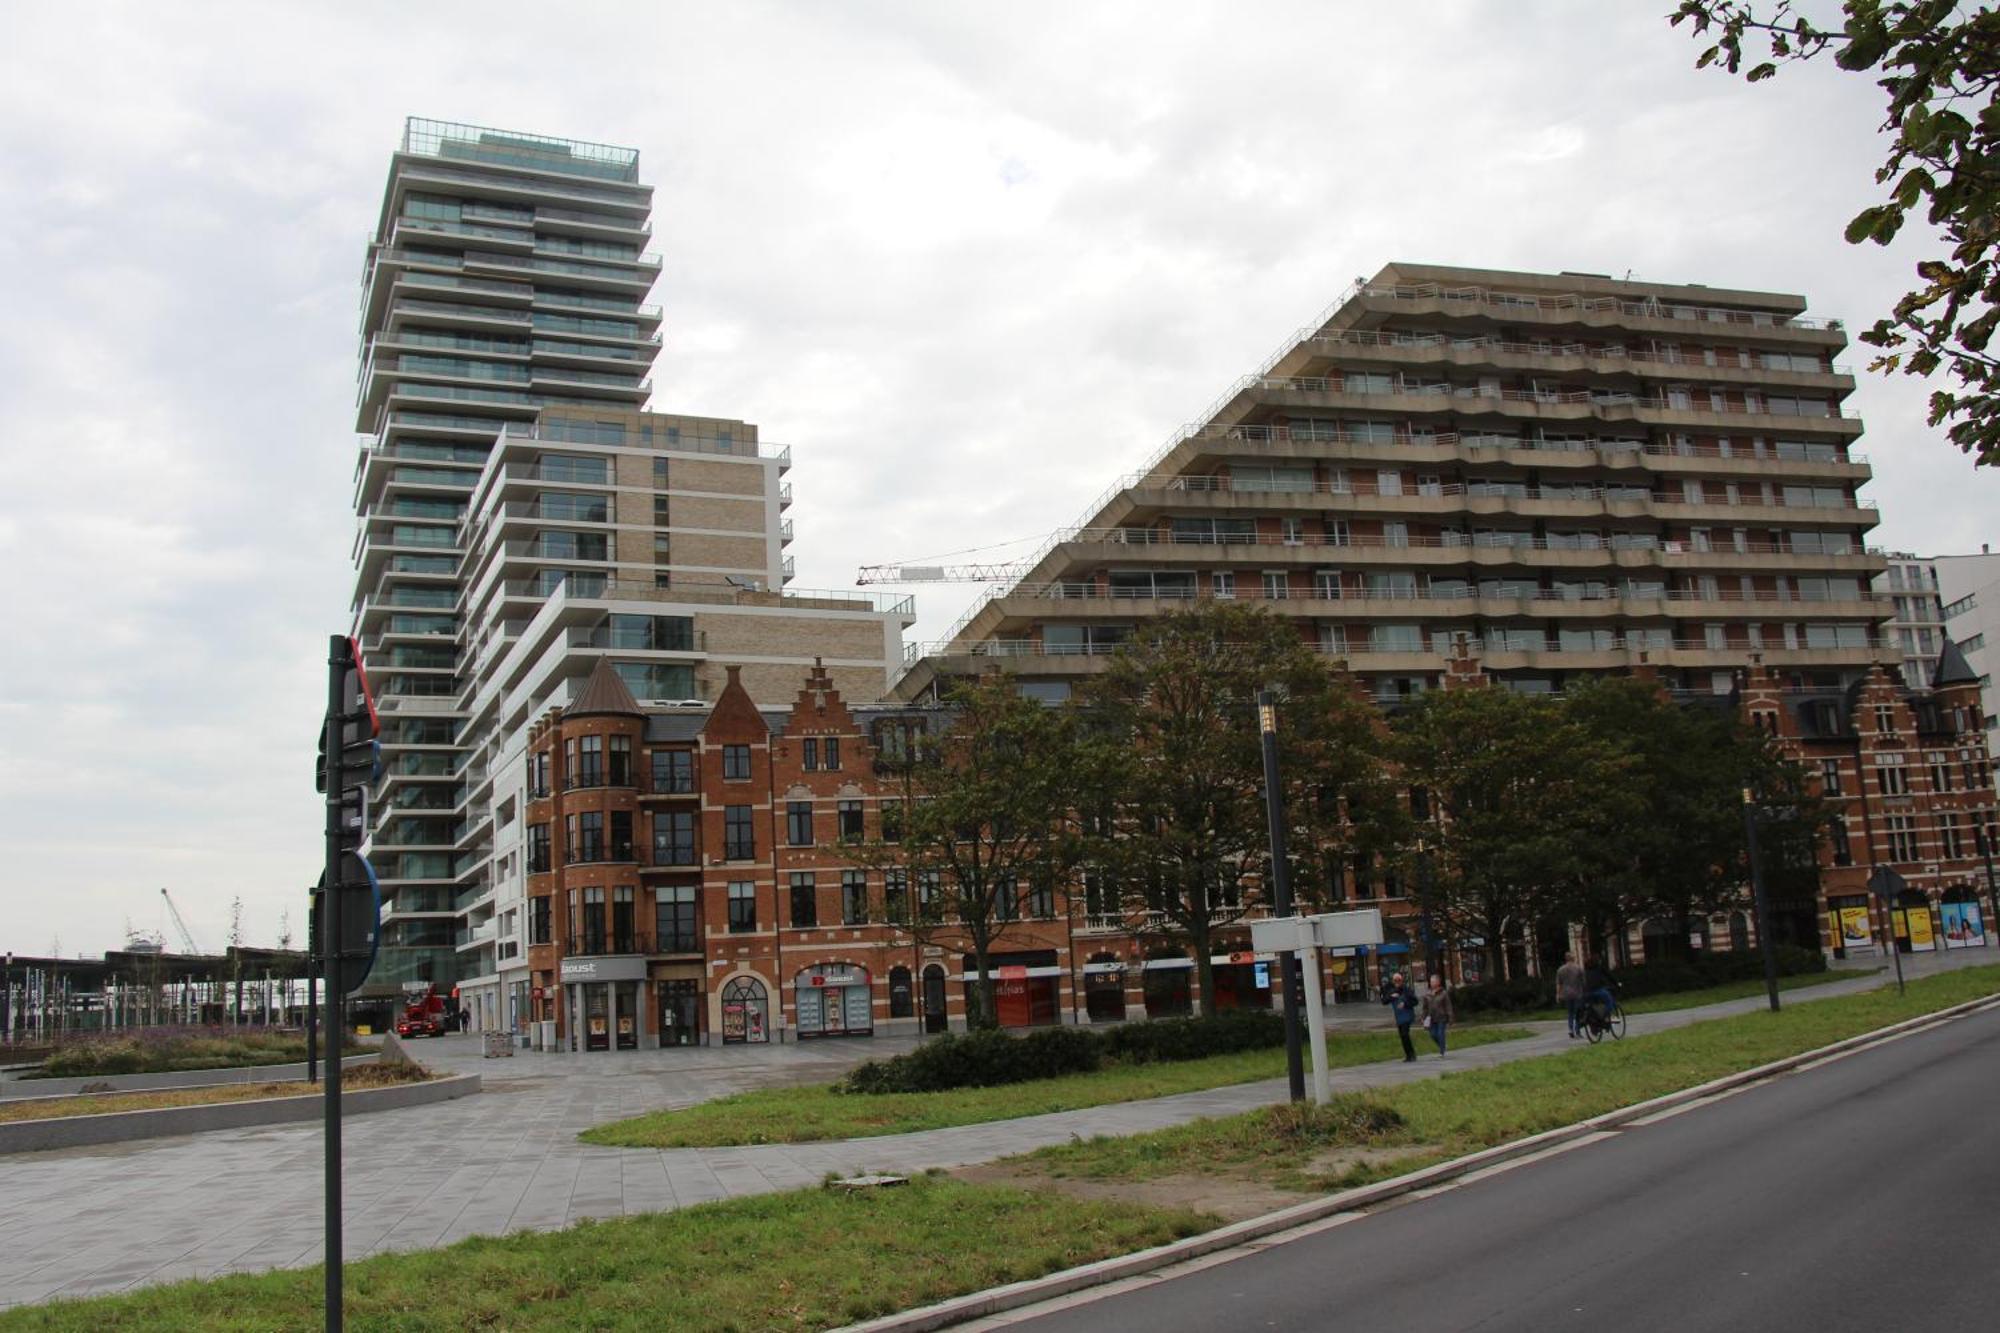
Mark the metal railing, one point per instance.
(1223, 481)
(609, 940)
(1608, 352)
(1032, 648)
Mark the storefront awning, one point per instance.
(1008, 974)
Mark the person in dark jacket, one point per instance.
(1402, 1002)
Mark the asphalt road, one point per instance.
(1862, 1194)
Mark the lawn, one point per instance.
(1688, 999)
(809, 1259)
(1417, 1123)
(52, 1108)
(818, 1112)
(173, 1050)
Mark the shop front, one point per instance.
(1915, 926)
(1851, 926)
(1104, 989)
(746, 1012)
(834, 1000)
(680, 1011)
(1168, 984)
(601, 1003)
(1964, 926)
(1244, 980)
(1026, 988)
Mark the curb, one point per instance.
(80, 1131)
(997, 1300)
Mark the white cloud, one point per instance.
(972, 262)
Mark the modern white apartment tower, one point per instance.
(520, 515)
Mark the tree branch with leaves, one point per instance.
(1939, 64)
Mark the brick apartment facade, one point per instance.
(686, 885)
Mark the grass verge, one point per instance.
(55, 1108)
(1689, 999)
(1316, 1149)
(817, 1112)
(808, 1259)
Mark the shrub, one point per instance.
(987, 1059)
(1165, 1040)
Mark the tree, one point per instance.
(1526, 795)
(1183, 830)
(1678, 853)
(987, 815)
(1940, 68)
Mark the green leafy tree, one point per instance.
(987, 819)
(1939, 64)
(1677, 852)
(1186, 839)
(1526, 796)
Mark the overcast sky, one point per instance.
(971, 262)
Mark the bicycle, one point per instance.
(1601, 1014)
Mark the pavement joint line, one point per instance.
(1234, 1237)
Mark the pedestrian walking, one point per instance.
(1436, 1012)
(1569, 991)
(1402, 1002)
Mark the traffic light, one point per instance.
(361, 752)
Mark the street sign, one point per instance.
(1886, 884)
(360, 919)
(1335, 929)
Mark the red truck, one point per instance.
(428, 1015)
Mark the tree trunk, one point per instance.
(984, 1012)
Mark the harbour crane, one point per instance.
(180, 925)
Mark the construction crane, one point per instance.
(187, 936)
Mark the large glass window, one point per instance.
(854, 897)
(538, 849)
(673, 772)
(674, 838)
(799, 823)
(676, 918)
(849, 814)
(735, 763)
(657, 680)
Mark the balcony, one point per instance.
(601, 636)
(1595, 311)
(608, 941)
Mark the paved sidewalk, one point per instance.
(91, 1220)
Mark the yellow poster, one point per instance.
(1921, 938)
(1855, 931)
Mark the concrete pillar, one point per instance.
(611, 989)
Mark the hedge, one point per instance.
(1658, 978)
(984, 1059)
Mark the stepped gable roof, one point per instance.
(1952, 668)
(604, 693)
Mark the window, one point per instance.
(1276, 585)
(742, 907)
(848, 813)
(892, 821)
(830, 752)
(1041, 898)
(1940, 766)
(1902, 839)
(739, 842)
(673, 838)
(1843, 855)
(1950, 836)
(673, 772)
(1829, 777)
(854, 897)
(809, 753)
(1326, 584)
(735, 763)
(538, 849)
(621, 836)
(592, 939)
(1007, 899)
(677, 919)
(1892, 775)
(799, 823)
(621, 761)
(538, 775)
(538, 920)
(1885, 718)
(896, 894)
(1223, 582)
(589, 771)
(805, 899)
(585, 835)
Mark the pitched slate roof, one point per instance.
(1952, 668)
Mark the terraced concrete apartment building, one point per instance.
(1566, 472)
(520, 515)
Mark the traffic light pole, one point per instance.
(339, 658)
(1281, 895)
(1765, 944)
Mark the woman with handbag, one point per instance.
(1435, 1011)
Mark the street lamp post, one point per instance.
(1281, 892)
(1758, 897)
